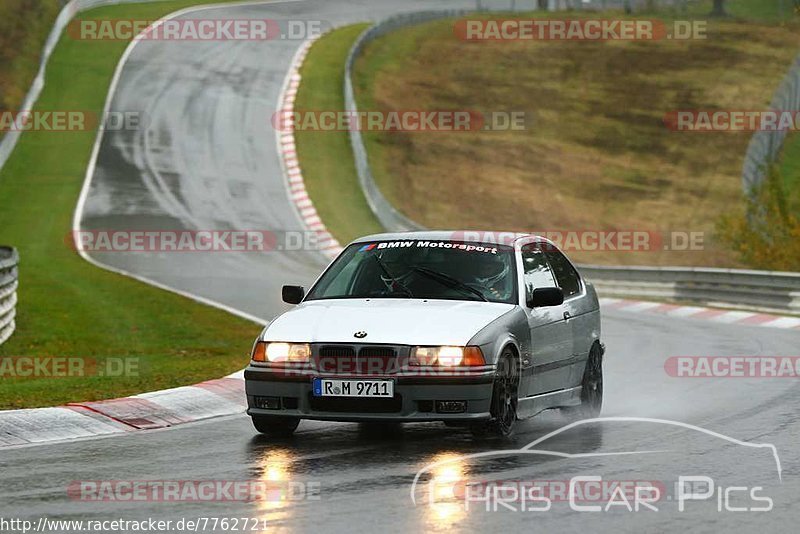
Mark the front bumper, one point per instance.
(417, 398)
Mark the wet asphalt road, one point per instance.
(364, 476)
(209, 161)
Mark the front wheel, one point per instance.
(591, 388)
(504, 399)
(275, 426)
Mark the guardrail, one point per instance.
(388, 216)
(9, 259)
(731, 288)
(763, 290)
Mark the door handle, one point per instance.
(566, 316)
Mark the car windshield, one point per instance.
(422, 269)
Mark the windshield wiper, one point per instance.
(449, 281)
(388, 274)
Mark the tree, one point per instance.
(719, 8)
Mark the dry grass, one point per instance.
(596, 154)
(24, 26)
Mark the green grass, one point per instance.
(70, 308)
(790, 165)
(761, 10)
(326, 157)
(748, 10)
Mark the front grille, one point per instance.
(356, 405)
(372, 360)
(377, 352)
(337, 351)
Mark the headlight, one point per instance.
(281, 352)
(447, 356)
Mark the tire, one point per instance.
(591, 388)
(505, 392)
(279, 427)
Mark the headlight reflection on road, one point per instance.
(446, 503)
(273, 466)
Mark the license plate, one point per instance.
(349, 387)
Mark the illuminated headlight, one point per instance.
(281, 352)
(446, 356)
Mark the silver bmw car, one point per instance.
(474, 329)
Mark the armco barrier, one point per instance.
(388, 216)
(769, 291)
(763, 290)
(9, 259)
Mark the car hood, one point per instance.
(390, 321)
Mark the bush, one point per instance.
(766, 235)
(24, 27)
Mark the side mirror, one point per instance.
(544, 297)
(293, 294)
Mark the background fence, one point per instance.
(9, 259)
(765, 146)
(769, 291)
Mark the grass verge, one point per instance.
(329, 172)
(596, 154)
(67, 307)
(790, 167)
(773, 11)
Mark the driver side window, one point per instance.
(536, 271)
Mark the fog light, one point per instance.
(451, 406)
(267, 403)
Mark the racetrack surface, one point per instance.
(208, 161)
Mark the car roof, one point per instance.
(468, 236)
